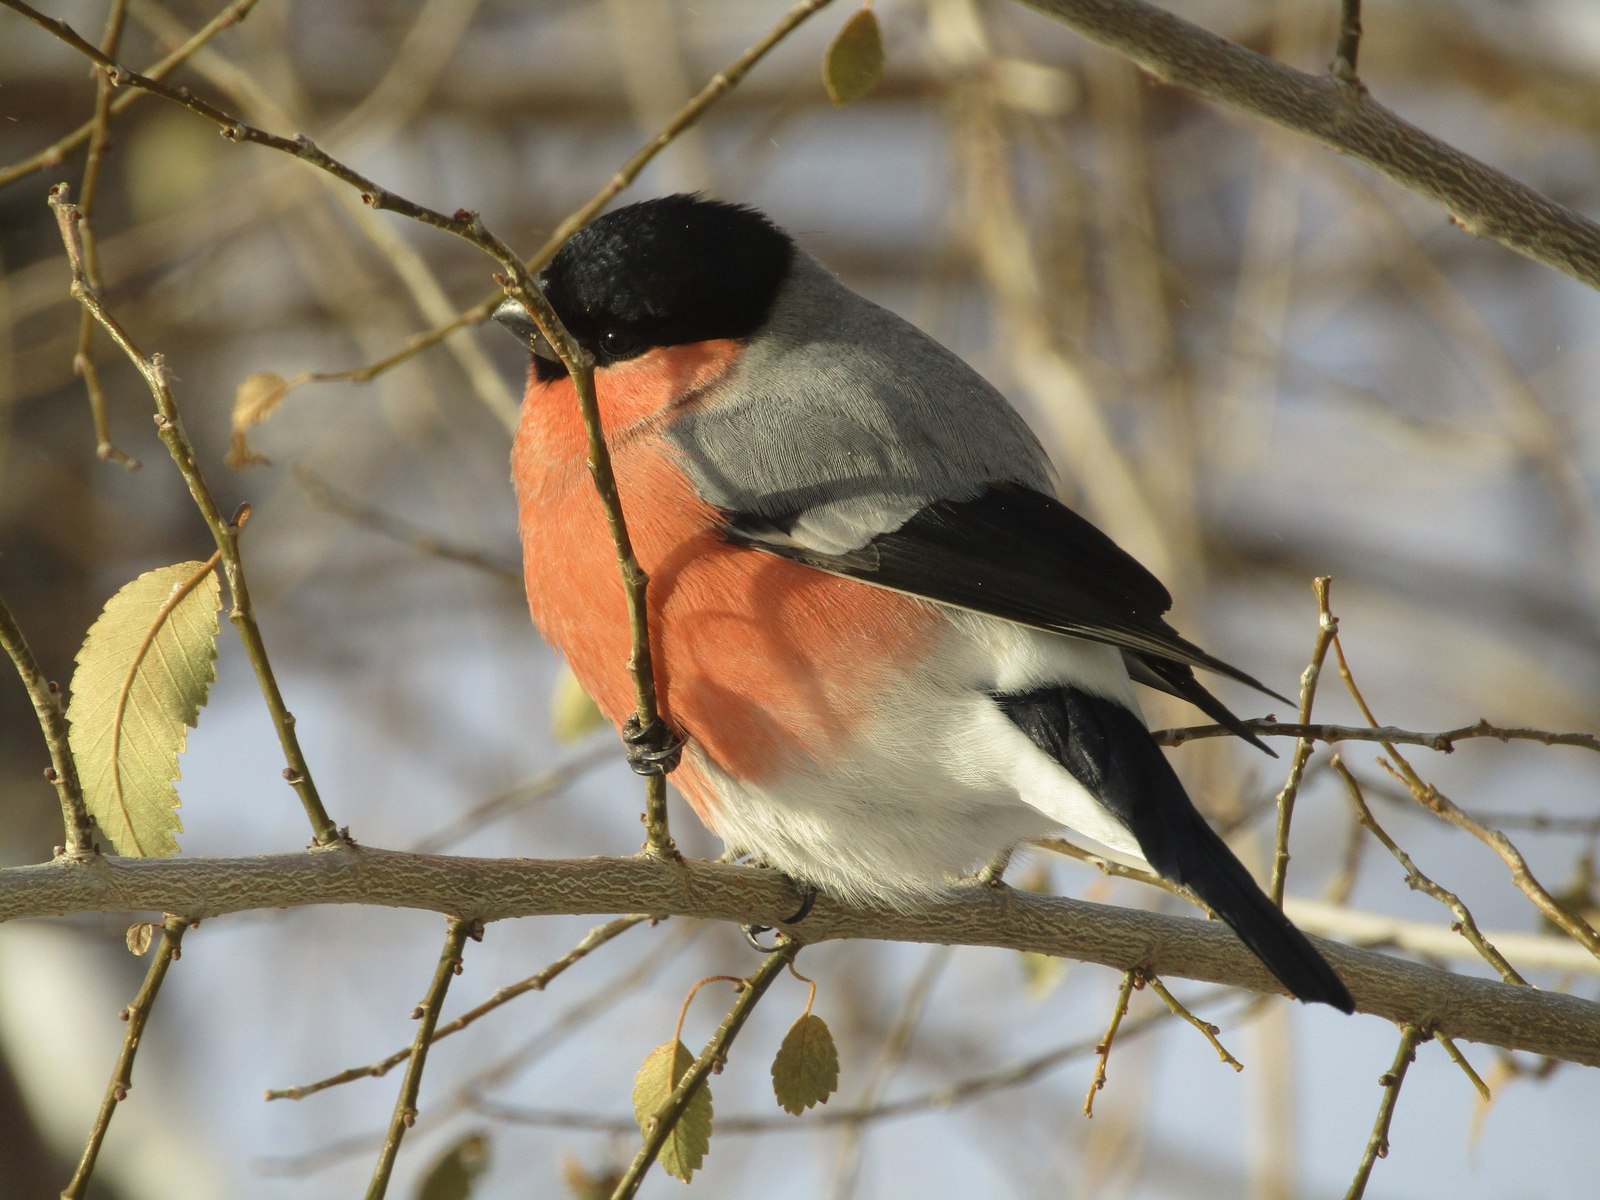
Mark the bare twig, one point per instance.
(52, 156)
(717, 87)
(1349, 44)
(1443, 740)
(1130, 979)
(427, 1015)
(136, 1014)
(1327, 626)
(518, 283)
(665, 1118)
(593, 940)
(423, 541)
(517, 796)
(1442, 806)
(226, 533)
(1209, 1030)
(100, 133)
(1460, 1060)
(1378, 1144)
(942, 1098)
(1417, 881)
(63, 771)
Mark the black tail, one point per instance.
(1108, 750)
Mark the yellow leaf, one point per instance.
(806, 1069)
(686, 1146)
(142, 678)
(853, 62)
(256, 398)
(139, 937)
(573, 715)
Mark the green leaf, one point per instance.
(806, 1070)
(142, 678)
(853, 62)
(686, 1146)
(456, 1170)
(573, 715)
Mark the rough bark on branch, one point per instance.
(1464, 1007)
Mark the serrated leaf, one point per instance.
(456, 1170)
(256, 398)
(806, 1069)
(686, 1146)
(573, 714)
(139, 937)
(143, 675)
(853, 63)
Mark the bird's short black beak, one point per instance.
(515, 317)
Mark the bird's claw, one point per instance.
(653, 749)
(808, 898)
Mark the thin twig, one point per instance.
(427, 1015)
(1378, 1144)
(1205, 1027)
(1112, 868)
(424, 541)
(169, 427)
(52, 156)
(665, 1118)
(136, 1014)
(517, 283)
(936, 1100)
(519, 795)
(718, 86)
(1417, 881)
(100, 133)
(1327, 626)
(593, 940)
(558, 1033)
(1442, 806)
(1460, 1060)
(1349, 43)
(1130, 980)
(1443, 740)
(63, 770)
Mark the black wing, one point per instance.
(1020, 555)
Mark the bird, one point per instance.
(888, 653)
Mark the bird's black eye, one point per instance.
(616, 343)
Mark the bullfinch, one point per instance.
(890, 652)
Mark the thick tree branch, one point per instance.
(1480, 1010)
(1480, 199)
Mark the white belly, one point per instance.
(939, 781)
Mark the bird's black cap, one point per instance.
(662, 272)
